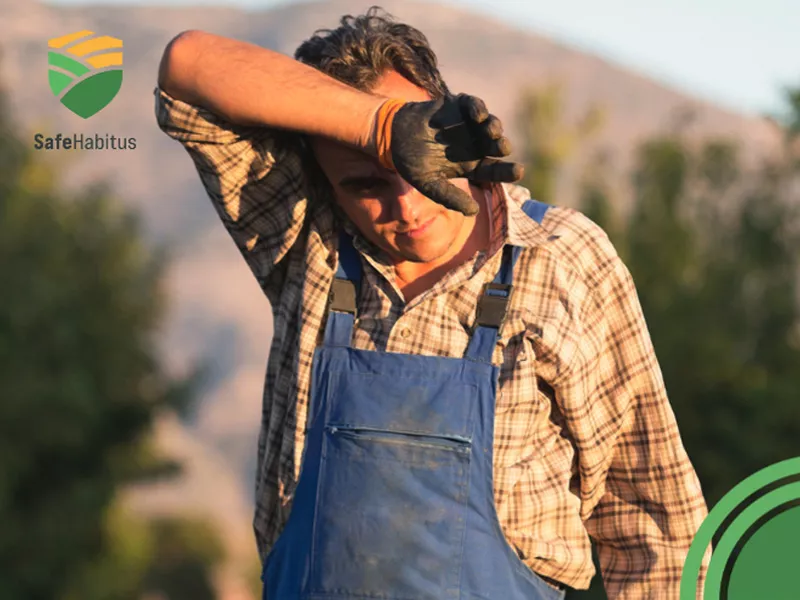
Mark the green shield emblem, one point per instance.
(85, 71)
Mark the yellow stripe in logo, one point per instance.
(109, 59)
(62, 41)
(102, 43)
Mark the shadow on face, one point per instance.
(386, 209)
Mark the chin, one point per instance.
(424, 251)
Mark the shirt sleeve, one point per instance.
(254, 178)
(649, 503)
(640, 497)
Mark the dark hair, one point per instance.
(362, 48)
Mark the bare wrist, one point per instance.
(367, 142)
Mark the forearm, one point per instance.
(250, 85)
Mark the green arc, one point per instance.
(737, 529)
(67, 63)
(764, 562)
(715, 518)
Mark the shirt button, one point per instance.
(405, 332)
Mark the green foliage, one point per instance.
(549, 140)
(186, 553)
(168, 557)
(117, 574)
(80, 384)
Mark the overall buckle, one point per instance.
(343, 296)
(493, 304)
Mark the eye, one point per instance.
(363, 184)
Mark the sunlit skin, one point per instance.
(422, 238)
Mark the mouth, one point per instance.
(419, 231)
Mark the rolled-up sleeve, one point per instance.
(253, 176)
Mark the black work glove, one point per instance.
(449, 138)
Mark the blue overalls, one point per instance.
(395, 497)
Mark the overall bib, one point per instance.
(395, 497)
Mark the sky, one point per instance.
(736, 53)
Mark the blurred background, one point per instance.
(134, 340)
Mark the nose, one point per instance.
(408, 202)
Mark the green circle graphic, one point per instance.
(766, 566)
(771, 546)
(737, 530)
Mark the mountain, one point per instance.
(218, 310)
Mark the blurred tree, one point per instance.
(186, 553)
(549, 140)
(81, 384)
(171, 558)
(118, 573)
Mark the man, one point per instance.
(461, 392)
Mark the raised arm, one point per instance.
(427, 142)
(246, 84)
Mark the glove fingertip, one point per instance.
(465, 204)
(498, 171)
(475, 108)
(503, 146)
(452, 198)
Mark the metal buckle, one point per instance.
(343, 296)
(492, 307)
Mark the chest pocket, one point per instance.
(516, 355)
(525, 405)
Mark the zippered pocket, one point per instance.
(390, 514)
(444, 442)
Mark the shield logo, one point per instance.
(85, 71)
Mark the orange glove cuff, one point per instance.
(383, 130)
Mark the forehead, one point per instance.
(344, 160)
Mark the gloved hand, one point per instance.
(428, 143)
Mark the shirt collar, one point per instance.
(511, 225)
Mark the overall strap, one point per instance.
(493, 303)
(342, 300)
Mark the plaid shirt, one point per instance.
(586, 443)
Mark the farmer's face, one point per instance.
(386, 209)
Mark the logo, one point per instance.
(757, 531)
(85, 71)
